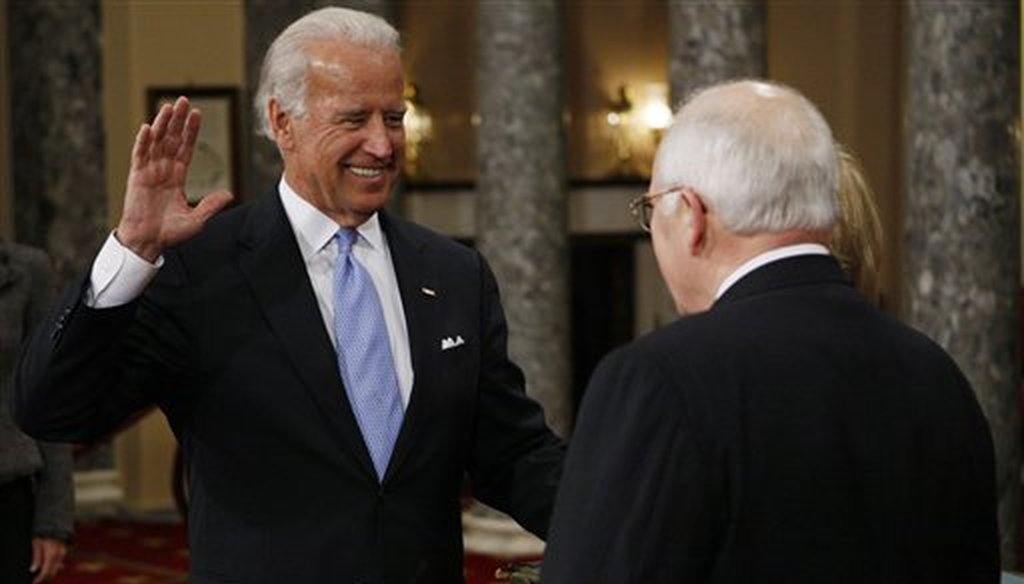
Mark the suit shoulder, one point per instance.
(424, 233)
(220, 233)
(923, 350)
(636, 384)
(644, 365)
(436, 242)
(224, 225)
(680, 358)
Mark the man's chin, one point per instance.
(371, 203)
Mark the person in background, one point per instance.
(857, 237)
(36, 489)
(784, 429)
(331, 372)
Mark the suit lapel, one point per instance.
(414, 272)
(273, 266)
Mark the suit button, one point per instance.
(62, 322)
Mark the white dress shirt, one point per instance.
(768, 257)
(119, 276)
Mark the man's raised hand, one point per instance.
(156, 213)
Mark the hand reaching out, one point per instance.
(156, 214)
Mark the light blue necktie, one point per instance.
(364, 354)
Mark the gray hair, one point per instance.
(283, 75)
(759, 153)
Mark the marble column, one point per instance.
(711, 41)
(58, 143)
(962, 231)
(57, 139)
(521, 210)
(264, 20)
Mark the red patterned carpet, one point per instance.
(109, 552)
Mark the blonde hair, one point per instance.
(857, 237)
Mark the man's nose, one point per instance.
(378, 140)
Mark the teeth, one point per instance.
(365, 171)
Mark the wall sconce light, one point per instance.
(419, 129)
(637, 120)
(618, 118)
(654, 112)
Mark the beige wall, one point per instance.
(149, 43)
(440, 58)
(608, 45)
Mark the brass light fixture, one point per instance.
(418, 130)
(636, 120)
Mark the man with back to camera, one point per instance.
(330, 371)
(784, 430)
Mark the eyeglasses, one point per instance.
(643, 206)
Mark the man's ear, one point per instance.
(696, 221)
(280, 124)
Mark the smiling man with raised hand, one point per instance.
(783, 430)
(331, 372)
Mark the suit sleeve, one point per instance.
(638, 501)
(54, 509)
(517, 460)
(55, 499)
(86, 371)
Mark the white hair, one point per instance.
(283, 75)
(760, 154)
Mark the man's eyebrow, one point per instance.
(349, 112)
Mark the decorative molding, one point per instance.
(592, 209)
(98, 489)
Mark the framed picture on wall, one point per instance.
(215, 161)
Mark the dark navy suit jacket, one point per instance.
(229, 342)
(792, 433)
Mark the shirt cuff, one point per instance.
(118, 275)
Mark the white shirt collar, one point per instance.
(768, 257)
(314, 230)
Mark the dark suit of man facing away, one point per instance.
(785, 430)
(233, 339)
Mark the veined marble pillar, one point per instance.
(57, 139)
(962, 240)
(521, 210)
(58, 147)
(714, 40)
(264, 20)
